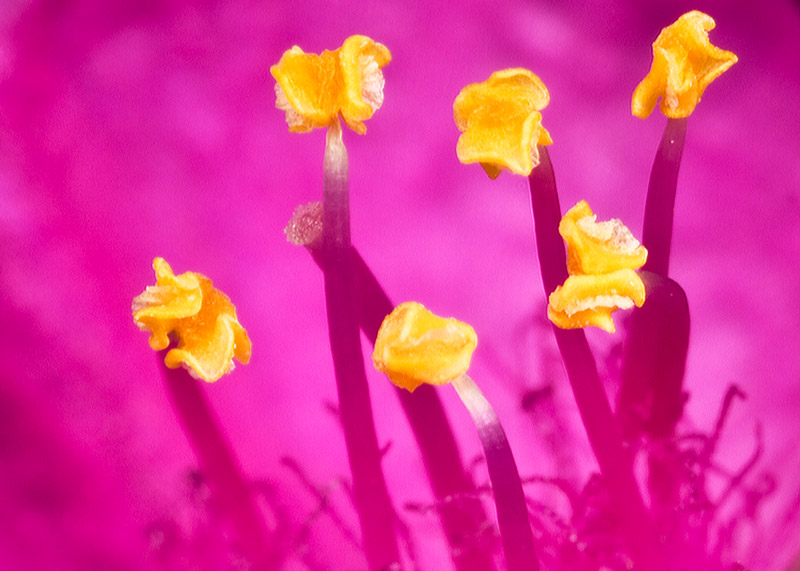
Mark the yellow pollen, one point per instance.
(589, 300)
(684, 64)
(598, 247)
(601, 259)
(500, 122)
(314, 90)
(201, 319)
(414, 346)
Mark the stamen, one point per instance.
(500, 122)
(423, 408)
(512, 512)
(651, 396)
(589, 300)
(315, 90)
(362, 93)
(416, 347)
(659, 210)
(208, 336)
(202, 319)
(219, 464)
(601, 427)
(684, 64)
(601, 259)
(434, 435)
(321, 88)
(370, 492)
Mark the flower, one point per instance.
(201, 317)
(112, 118)
(500, 122)
(416, 347)
(314, 89)
(684, 64)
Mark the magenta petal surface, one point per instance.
(130, 130)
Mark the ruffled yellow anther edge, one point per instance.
(200, 318)
(598, 247)
(500, 122)
(416, 347)
(314, 89)
(684, 64)
(601, 259)
(589, 300)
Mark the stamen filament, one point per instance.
(433, 433)
(614, 459)
(651, 398)
(220, 466)
(660, 206)
(461, 521)
(369, 487)
(512, 511)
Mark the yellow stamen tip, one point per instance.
(684, 64)
(589, 300)
(601, 259)
(201, 318)
(500, 122)
(598, 247)
(414, 346)
(314, 89)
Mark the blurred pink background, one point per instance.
(131, 129)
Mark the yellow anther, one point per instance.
(684, 64)
(314, 89)
(589, 300)
(500, 122)
(361, 60)
(201, 318)
(598, 247)
(414, 346)
(601, 259)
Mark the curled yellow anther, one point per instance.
(314, 89)
(601, 259)
(598, 247)
(201, 318)
(589, 300)
(414, 346)
(684, 64)
(500, 122)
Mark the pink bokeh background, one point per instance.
(130, 130)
